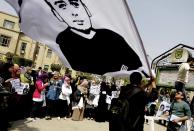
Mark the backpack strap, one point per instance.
(132, 92)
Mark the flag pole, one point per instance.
(138, 35)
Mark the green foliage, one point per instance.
(9, 56)
(56, 67)
(126, 81)
(22, 61)
(3, 58)
(68, 71)
(85, 75)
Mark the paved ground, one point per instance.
(67, 125)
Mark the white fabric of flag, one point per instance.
(94, 36)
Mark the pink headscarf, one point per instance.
(84, 83)
(67, 77)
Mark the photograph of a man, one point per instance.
(87, 49)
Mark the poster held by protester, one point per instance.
(164, 106)
(19, 87)
(25, 87)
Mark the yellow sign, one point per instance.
(179, 55)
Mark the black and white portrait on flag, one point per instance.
(95, 45)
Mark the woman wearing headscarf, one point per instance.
(79, 99)
(39, 95)
(16, 100)
(28, 84)
(64, 97)
(101, 114)
(52, 96)
(92, 100)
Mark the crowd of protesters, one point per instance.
(28, 93)
(177, 104)
(170, 103)
(33, 94)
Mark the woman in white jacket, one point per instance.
(64, 97)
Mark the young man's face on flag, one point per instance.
(72, 12)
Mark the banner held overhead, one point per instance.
(88, 35)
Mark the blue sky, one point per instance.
(162, 24)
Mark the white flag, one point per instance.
(94, 36)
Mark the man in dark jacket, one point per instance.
(132, 118)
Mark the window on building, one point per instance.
(8, 24)
(23, 48)
(5, 40)
(37, 50)
(49, 53)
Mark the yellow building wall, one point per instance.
(13, 33)
(28, 53)
(5, 16)
(17, 38)
(13, 43)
